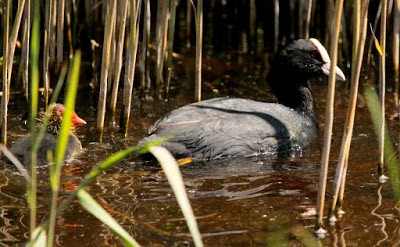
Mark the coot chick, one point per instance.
(233, 127)
(21, 148)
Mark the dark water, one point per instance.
(242, 202)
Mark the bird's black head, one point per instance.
(291, 69)
(302, 60)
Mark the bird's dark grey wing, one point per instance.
(224, 127)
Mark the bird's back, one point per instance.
(232, 127)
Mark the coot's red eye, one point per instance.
(313, 54)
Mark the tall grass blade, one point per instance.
(96, 210)
(62, 141)
(35, 47)
(174, 176)
(39, 238)
(392, 162)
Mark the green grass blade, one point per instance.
(391, 161)
(96, 210)
(34, 99)
(38, 238)
(62, 142)
(72, 81)
(174, 176)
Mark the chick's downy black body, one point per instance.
(233, 127)
(22, 147)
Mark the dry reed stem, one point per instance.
(188, 23)
(6, 57)
(276, 24)
(396, 50)
(26, 47)
(131, 61)
(171, 33)
(122, 13)
(101, 109)
(13, 41)
(199, 48)
(144, 63)
(382, 83)
(329, 115)
(52, 32)
(160, 42)
(60, 34)
(360, 13)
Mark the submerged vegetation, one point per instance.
(131, 47)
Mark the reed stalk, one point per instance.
(309, 6)
(131, 62)
(375, 26)
(276, 24)
(105, 63)
(188, 23)
(252, 26)
(52, 32)
(68, 13)
(4, 109)
(145, 55)
(26, 34)
(122, 13)
(13, 41)
(160, 42)
(382, 87)
(396, 50)
(113, 46)
(60, 34)
(46, 54)
(170, 42)
(199, 48)
(328, 118)
(360, 32)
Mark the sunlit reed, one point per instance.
(329, 110)
(382, 87)
(101, 107)
(130, 64)
(360, 30)
(199, 48)
(121, 20)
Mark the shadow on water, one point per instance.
(238, 202)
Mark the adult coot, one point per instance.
(232, 127)
(21, 148)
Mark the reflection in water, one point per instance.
(383, 221)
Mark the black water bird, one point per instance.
(234, 127)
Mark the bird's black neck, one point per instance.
(293, 92)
